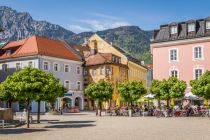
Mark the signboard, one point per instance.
(68, 94)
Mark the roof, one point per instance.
(81, 49)
(125, 53)
(129, 57)
(37, 45)
(163, 34)
(100, 58)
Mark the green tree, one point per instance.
(155, 90)
(100, 91)
(51, 90)
(171, 88)
(6, 93)
(33, 84)
(201, 87)
(131, 91)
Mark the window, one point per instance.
(94, 72)
(78, 70)
(5, 67)
(173, 55)
(173, 30)
(108, 70)
(198, 73)
(56, 67)
(67, 84)
(174, 73)
(8, 52)
(113, 58)
(198, 52)
(46, 66)
(102, 70)
(207, 24)
(85, 72)
(191, 27)
(30, 64)
(66, 68)
(18, 66)
(78, 85)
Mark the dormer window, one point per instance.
(207, 24)
(8, 52)
(191, 27)
(173, 30)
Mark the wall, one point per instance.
(137, 73)
(185, 64)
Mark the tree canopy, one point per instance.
(131, 90)
(32, 84)
(201, 87)
(172, 88)
(101, 90)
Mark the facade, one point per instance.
(106, 61)
(181, 50)
(48, 55)
(136, 71)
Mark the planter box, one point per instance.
(6, 114)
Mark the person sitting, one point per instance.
(146, 110)
(189, 111)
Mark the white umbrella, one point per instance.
(149, 96)
(190, 95)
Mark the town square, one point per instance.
(89, 70)
(86, 126)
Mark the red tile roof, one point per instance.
(98, 58)
(37, 45)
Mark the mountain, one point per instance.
(18, 25)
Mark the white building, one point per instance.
(49, 55)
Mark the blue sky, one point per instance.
(93, 15)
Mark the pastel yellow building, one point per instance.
(136, 71)
(106, 61)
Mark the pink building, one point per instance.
(182, 50)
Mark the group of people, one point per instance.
(162, 111)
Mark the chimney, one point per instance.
(92, 51)
(85, 42)
(142, 62)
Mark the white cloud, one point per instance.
(98, 22)
(103, 24)
(78, 28)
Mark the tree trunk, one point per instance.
(9, 104)
(100, 107)
(28, 112)
(52, 106)
(38, 111)
(168, 103)
(158, 103)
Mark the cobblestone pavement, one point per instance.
(85, 126)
